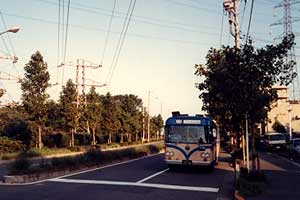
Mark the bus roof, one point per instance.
(189, 120)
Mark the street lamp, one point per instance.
(11, 30)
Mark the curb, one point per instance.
(43, 177)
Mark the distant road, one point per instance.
(145, 178)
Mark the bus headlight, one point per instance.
(205, 155)
(169, 153)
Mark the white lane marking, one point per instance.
(152, 176)
(107, 166)
(81, 172)
(152, 185)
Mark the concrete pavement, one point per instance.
(145, 178)
(283, 178)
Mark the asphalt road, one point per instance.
(145, 178)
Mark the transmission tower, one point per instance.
(83, 64)
(287, 21)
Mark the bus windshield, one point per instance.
(187, 134)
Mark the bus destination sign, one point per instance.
(188, 121)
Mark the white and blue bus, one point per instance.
(191, 140)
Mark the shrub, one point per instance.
(20, 166)
(19, 130)
(10, 146)
(83, 139)
(94, 156)
(251, 183)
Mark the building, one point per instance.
(280, 111)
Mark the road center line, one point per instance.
(152, 176)
(151, 185)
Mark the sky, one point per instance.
(165, 39)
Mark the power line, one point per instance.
(66, 39)
(244, 9)
(123, 39)
(89, 9)
(250, 19)
(9, 39)
(11, 44)
(108, 32)
(197, 43)
(58, 41)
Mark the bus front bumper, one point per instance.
(189, 162)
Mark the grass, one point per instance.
(35, 153)
(56, 151)
(93, 157)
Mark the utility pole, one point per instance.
(247, 143)
(287, 21)
(231, 7)
(290, 121)
(80, 63)
(143, 124)
(148, 116)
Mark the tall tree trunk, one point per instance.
(109, 138)
(94, 136)
(72, 138)
(40, 143)
(129, 137)
(122, 139)
(253, 150)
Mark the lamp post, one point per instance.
(290, 121)
(11, 30)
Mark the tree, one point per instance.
(93, 111)
(109, 123)
(69, 109)
(278, 127)
(239, 82)
(129, 115)
(54, 117)
(13, 125)
(157, 123)
(34, 95)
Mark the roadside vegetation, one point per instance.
(91, 158)
(237, 87)
(38, 125)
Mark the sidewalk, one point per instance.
(283, 178)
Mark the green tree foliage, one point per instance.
(54, 117)
(109, 123)
(34, 96)
(129, 116)
(157, 123)
(69, 109)
(13, 124)
(240, 81)
(278, 127)
(92, 112)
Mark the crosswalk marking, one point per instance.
(152, 176)
(151, 185)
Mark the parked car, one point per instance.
(293, 148)
(273, 141)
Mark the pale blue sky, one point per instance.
(164, 41)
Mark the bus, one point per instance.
(191, 140)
